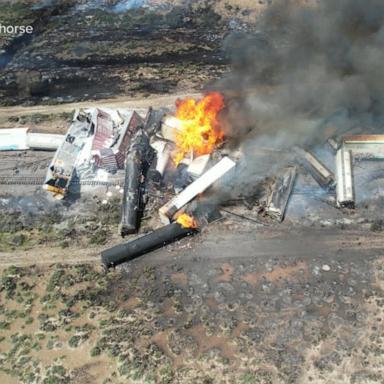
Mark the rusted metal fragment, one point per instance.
(363, 139)
(365, 147)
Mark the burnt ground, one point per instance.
(82, 51)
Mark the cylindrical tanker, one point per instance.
(133, 249)
(44, 141)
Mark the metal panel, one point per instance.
(44, 141)
(364, 139)
(215, 173)
(281, 192)
(367, 147)
(61, 169)
(104, 131)
(344, 178)
(14, 139)
(316, 168)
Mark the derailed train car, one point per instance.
(61, 170)
(96, 139)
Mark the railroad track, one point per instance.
(34, 180)
(9, 164)
(39, 180)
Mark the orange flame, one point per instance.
(200, 132)
(187, 221)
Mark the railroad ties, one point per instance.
(33, 180)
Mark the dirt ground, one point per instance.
(54, 118)
(284, 307)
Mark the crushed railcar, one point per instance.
(97, 139)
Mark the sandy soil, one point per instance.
(298, 307)
(167, 101)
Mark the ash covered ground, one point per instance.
(100, 49)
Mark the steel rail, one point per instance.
(32, 180)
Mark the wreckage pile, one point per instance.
(94, 146)
(168, 161)
(157, 149)
(190, 139)
(176, 148)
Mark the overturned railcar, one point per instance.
(344, 176)
(96, 139)
(62, 168)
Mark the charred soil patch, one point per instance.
(81, 55)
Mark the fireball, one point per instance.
(186, 221)
(200, 131)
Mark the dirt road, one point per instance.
(119, 102)
(218, 245)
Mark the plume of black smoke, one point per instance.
(307, 69)
(308, 66)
